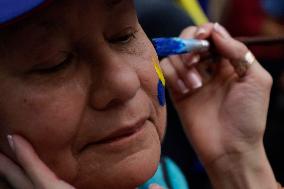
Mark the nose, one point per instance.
(115, 82)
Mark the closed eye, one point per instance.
(123, 38)
(56, 68)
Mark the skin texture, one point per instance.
(108, 83)
(225, 119)
(56, 116)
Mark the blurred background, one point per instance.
(242, 18)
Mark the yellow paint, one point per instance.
(159, 70)
(194, 10)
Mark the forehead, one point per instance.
(13, 11)
(58, 9)
(70, 13)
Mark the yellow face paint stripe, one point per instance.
(159, 71)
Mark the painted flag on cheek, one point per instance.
(161, 83)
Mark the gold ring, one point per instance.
(243, 65)
(249, 58)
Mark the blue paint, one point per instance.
(174, 46)
(10, 9)
(161, 93)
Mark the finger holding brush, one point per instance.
(180, 66)
(195, 49)
(225, 117)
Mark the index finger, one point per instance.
(239, 55)
(40, 175)
(29, 160)
(13, 174)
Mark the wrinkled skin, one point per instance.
(70, 76)
(107, 82)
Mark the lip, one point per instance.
(123, 135)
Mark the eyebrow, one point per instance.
(49, 27)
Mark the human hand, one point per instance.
(29, 171)
(225, 118)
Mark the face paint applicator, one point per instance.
(175, 45)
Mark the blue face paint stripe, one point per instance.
(161, 93)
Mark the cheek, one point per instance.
(45, 113)
(151, 74)
(48, 118)
(153, 83)
(161, 123)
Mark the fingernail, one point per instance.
(11, 142)
(200, 32)
(195, 59)
(221, 30)
(182, 87)
(155, 186)
(194, 80)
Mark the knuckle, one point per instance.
(164, 63)
(268, 79)
(188, 29)
(265, 79)
(187, 32)
(170, 73)
(207, 25)
(237, 51)
(240, 50)
(167, 68)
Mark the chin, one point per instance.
(123, 165)
(125, 171)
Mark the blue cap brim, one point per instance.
(12, 9)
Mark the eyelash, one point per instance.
(68, 60)
(124, 39)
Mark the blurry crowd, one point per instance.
(242, 18)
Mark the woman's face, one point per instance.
(78, 81)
